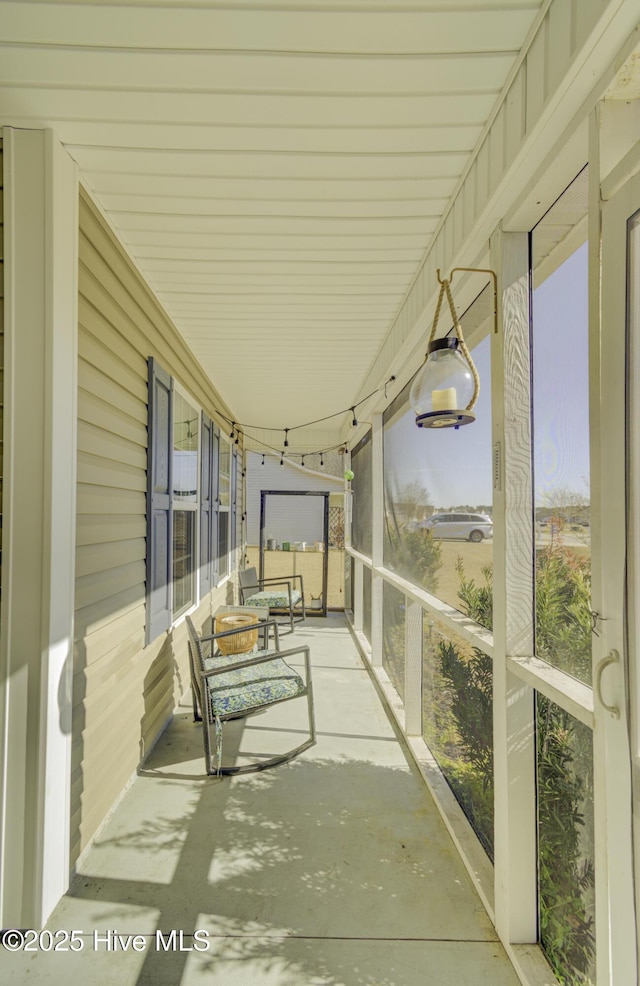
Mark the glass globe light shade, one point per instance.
(444, 384)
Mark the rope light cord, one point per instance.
(446, 289)
(239, 428)
(307, 424)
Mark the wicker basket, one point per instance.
(236, 643)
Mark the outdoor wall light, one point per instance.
(446, 388)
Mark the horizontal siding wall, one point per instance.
(123, 692)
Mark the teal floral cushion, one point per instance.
(274, 598)
(249, 688)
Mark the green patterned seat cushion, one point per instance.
(249, 688)
(274, 598)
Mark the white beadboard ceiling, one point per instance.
(275, 169)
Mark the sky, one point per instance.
(456, 466)
(561, 379)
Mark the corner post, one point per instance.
(39, 523)
(513, 707)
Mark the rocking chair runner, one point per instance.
(232, 686)
(279, 593)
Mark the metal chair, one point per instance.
(279, 593)
(230, 686)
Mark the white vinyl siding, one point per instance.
(123, 692)
(1, 343)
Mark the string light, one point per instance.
(236, 434)
(306, 424)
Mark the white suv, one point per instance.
(465, 527)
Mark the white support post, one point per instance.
(358, 595)
(38, 564)
(377, 543)
(348, 502)
(603, 916)
(513, 705)
(413, 667)
(613, 436)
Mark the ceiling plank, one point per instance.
(252, 29)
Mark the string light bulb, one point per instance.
(354, 423)
(286, 437)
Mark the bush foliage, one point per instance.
(563, 636)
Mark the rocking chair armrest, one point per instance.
(279, 578)
(289, 579)
(300, 649)
(273, 655)
(279, 581)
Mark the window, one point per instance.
(190, 499)
(209, 504)
(224, 504)
(184, 502)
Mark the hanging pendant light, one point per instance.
(446, 389)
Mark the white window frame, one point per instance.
(177, 617)
(224, 562)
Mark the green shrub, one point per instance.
(563, 609)
(566, 930)
(414, 555)
(563, 635)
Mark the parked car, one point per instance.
(465, 527)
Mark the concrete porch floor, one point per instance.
(333, 870)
